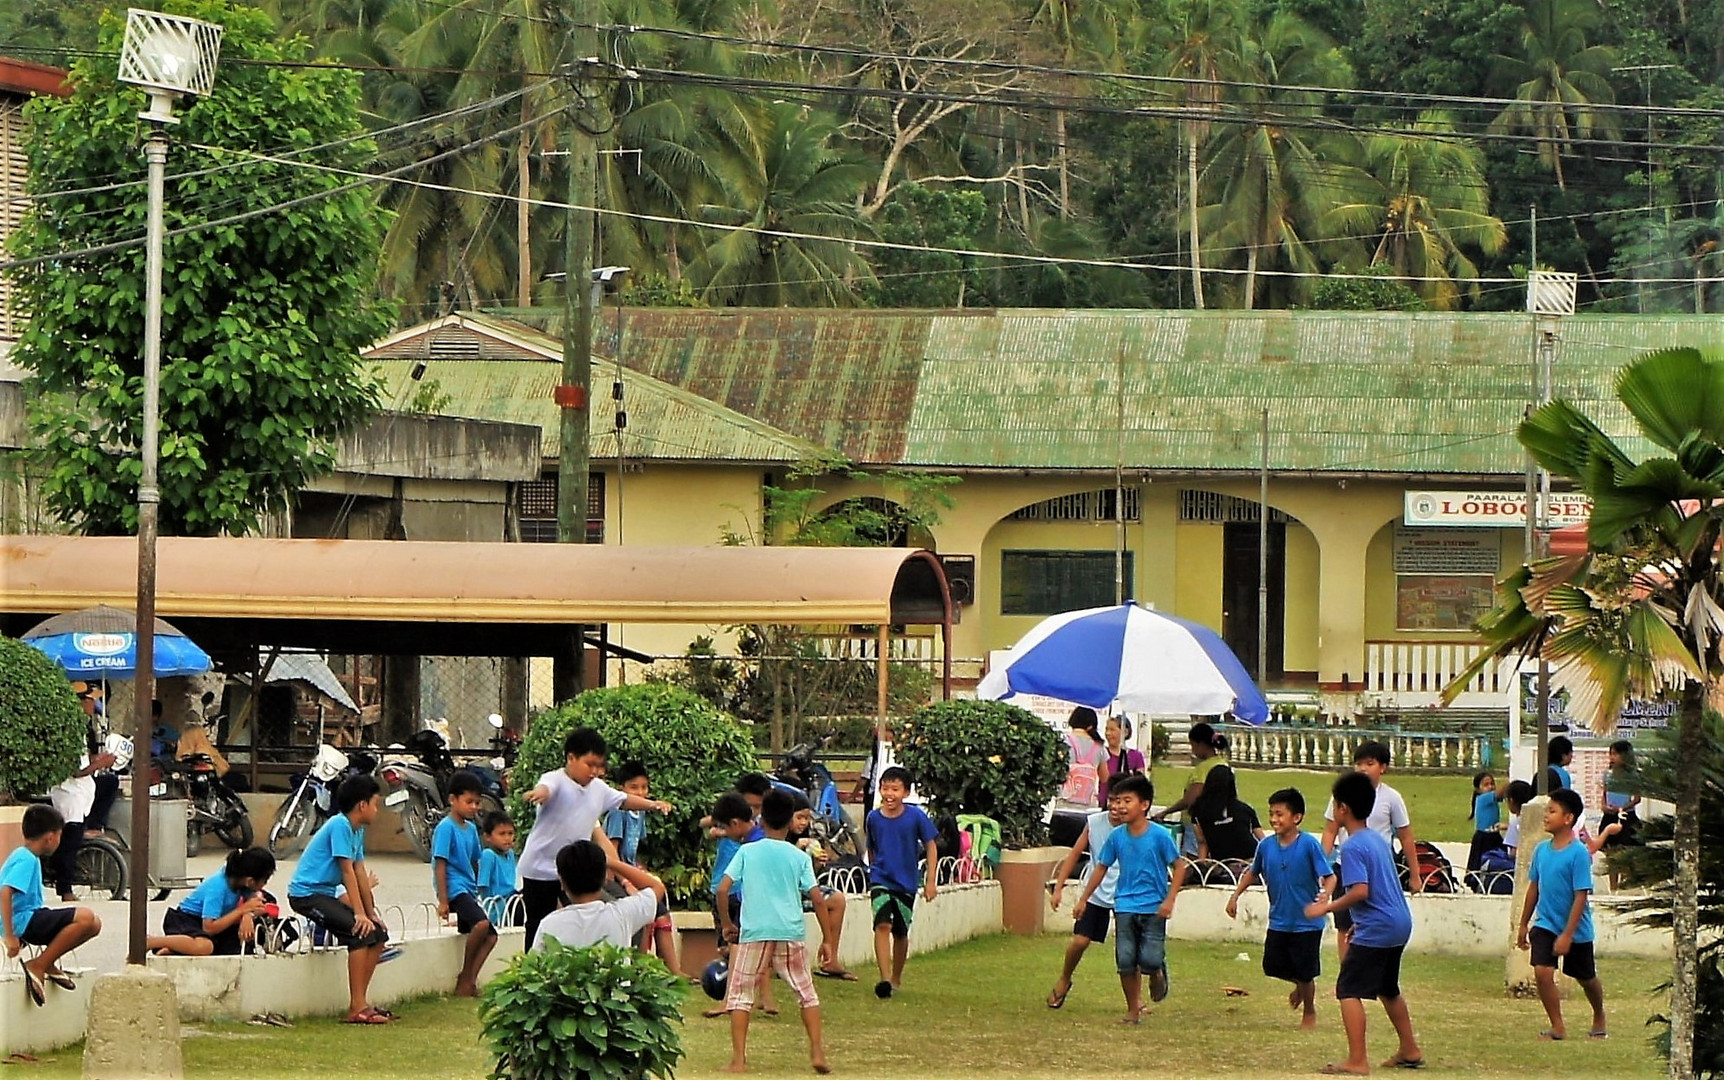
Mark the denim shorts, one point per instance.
(1139, 943)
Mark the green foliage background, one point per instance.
(985, 757)
(692, 753)
(262, 320)
(595, 1012)
(41, 723)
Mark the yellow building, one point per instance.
(1394, 475)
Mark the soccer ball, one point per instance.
(715, 979)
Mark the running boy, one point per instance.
(898, 836)
(331, 886)
(571, 802)
(455, 874)
(588, 919)
(1142, 898)
(497, 870)
(772, 933)
(1382, 924)
(1292, 867)
(23, 918)
(1092, 927)
(1388, 819)
(1559, 908)
(627, 828)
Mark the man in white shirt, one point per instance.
(588, 919)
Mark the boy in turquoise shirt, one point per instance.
(1558, 905)
(778, 875)
(23, 918)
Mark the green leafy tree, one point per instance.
(1558, 78)
(1640, 614)
(41, 723)
(986, 757)
(262, 319)
(926, 217)
(1377, 289)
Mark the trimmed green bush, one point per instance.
(583, 1014)
(41, 723)
(986, 757)
(692, 753)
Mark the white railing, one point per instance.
(1332, 747)
(917, 648)
(1421, 670)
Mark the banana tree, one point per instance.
(1640, 613)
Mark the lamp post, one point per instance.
(1549, 296)
(167, 55)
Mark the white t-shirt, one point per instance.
(619, 922)
(1388, 816)
(1512, 837)
(75, 795)
(570, 814)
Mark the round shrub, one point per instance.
(986, 757)
(41, 723)
(692, 753)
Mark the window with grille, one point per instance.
(536, 504)
(1211, 508)
(1049, 582)
(1084, 506)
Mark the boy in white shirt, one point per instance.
(589, 919)
(1389, 819)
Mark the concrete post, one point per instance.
(134, 1031)
(1517, 973)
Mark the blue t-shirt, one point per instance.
(23, 875)
(496, 873)
(318, 873)
(213, 899)
(896, 846)
(1382, 920)
(1563, 779)
(778, 875)
(1099, 828)
(1559, 873)
(626, 828)
(1487, 811)
(1293, 874)
(457, 844)
(727, 849)
(1143, 862)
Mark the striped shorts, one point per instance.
(750, 963)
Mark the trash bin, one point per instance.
(167, 834)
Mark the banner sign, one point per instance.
(1490, 509)
(1637, 715)
(1447, 551)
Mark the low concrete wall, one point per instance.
(1459, 924)
(315, 983)
(29, 1029)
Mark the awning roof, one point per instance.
(515, 591)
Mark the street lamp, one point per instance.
(167, 55)
(1549, 296)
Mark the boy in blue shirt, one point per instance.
(1382, 925)
(334, 863)
(217, 918)
(497, 870)
(1558, 905)
(627, 828)
(1142, 898)
(455, 874)
(899, 835)
(772, 935)
(1293, 869)
(23, 919)
(1092, 928)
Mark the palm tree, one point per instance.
(1641, 614)
(1425, 199)
(789, 221)
(1558, 79)
(1207, 45)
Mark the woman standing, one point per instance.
(1121, 759)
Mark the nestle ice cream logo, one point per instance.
(101, 644)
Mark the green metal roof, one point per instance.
(1347, 392)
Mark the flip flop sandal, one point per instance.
(841, 974)
(1550, 1036)
(33, 988)
(61, 979)
(1399, 1062)
(1058, 998)
(367, 1017)
(1334, 1069)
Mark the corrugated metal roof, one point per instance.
(1347, 392)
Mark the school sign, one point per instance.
(1490, 509)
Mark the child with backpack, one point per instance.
(1087, 773)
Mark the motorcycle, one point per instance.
(802, 770)
(211, 805)
(417, 787)
(312, 800)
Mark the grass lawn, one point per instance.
(979, 1006)
(1438, 803)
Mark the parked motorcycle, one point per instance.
(801, 769)
(312, 800)
(212, 806)
(417, 786)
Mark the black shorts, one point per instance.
(337, 918)
(1293, 955)
(185, 924)
(469, 913)
(1094, 923)
(1579, 965)
(45, 925)
(1370, 972)
(1343, 917)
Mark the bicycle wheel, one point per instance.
(100, 872)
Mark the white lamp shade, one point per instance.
(169, 52)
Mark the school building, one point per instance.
(1395, 484)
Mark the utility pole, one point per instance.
(1263, 558)
(1119, 477)
(1550, 296)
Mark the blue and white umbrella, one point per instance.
(102, 643)
(1131, 659)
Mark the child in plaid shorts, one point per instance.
(777, 875)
